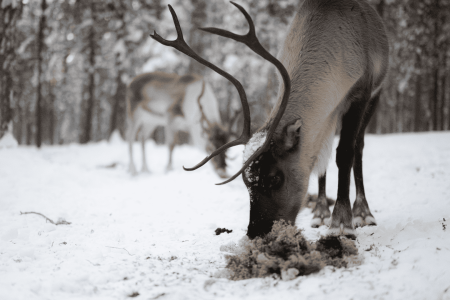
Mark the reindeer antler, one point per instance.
(253, 43)
(181, 46)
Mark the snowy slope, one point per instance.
(153, 234)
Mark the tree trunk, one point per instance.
(40, 50)
(86, 132)
(51, 115)
(29, 126)
(448, 98)
(380, 8)
(442, 102)
(434, 100)
(418, 104)
(436, 65)
(8, 17)
(196, 41)
(119, 109)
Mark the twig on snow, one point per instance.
(95, 265)
(59, 222)
(121, 249)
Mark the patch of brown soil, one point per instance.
(284, 251)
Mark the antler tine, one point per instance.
(239, 141)
(181, 46)
(234, 36)
(251, 40)
(245, 166)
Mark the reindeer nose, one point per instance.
(259, 228)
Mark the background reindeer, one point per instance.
(178, 103)
(335, 57)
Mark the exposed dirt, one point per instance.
(284, 251)
(222, 230)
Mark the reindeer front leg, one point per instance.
(144, 160)
(131, 134)
(170, 131)
(321, 211)
(342, 217)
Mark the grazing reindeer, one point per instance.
(332, 64)
(178, 103)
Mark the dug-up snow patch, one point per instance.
(236, 248)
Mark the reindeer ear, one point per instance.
(291, 134)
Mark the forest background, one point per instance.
(65, 64)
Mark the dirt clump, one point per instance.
(222, 230)
(285, 252)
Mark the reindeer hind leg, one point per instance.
(362, 215)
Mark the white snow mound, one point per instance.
(8, 141)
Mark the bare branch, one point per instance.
(121, 249)
(59, 222)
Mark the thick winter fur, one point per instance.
(332, 48)
(170, 100)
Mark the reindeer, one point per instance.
(178, 103)
(332, 65)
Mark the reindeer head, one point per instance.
(269, 171)
(272, 179)
(217, 135)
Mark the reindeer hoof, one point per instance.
(361, 214)
(321, 212)
(312, 201)
(367, 221)
(317, 222)
(342, 230)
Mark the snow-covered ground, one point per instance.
(152, 236)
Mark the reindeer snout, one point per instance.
(259, 228)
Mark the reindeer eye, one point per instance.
(276, 181)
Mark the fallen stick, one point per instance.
(120, 249)
(59, 222)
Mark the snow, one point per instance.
(8, 141)
(115, 138)
(256, 142)
(153, 234)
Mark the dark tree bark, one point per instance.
(196, 40)
(380, 8)
(434, 99)
(442, 100)
(8, 17)
(418, 104)
(119, 109)
(51, 115)
(40, 53)
(89, 107)
(29, 127)
(436, 65)
(373, 123)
